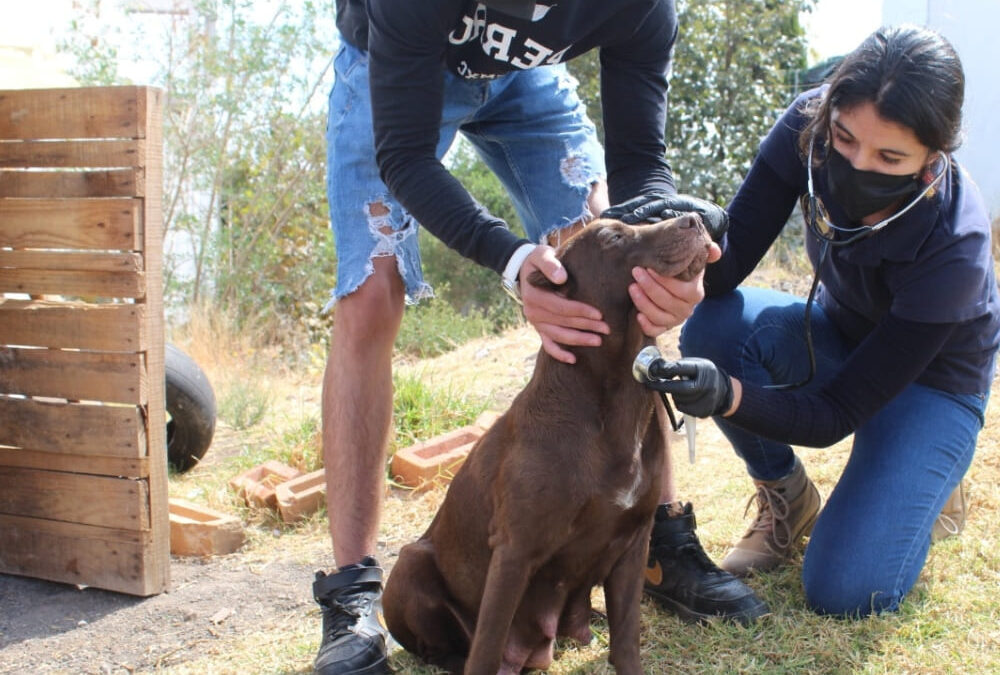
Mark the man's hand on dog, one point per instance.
(559, 321)
(663, 302)
(656, 207)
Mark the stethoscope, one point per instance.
(827, 239)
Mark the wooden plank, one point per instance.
(83, 261)
(73, 283)
(92, 376)
(109, 327)
(100, 465)
(73, 432)
(82, 112)
(103, 501)
(71, 553)
(77, 531)
(48, 184)
(72, 428)
(90, 153)
(109, 224)
(158, 554)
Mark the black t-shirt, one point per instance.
(412, 44)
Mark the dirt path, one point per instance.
(47, 627)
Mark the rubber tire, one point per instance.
(190, 410)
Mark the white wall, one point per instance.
(971, 26)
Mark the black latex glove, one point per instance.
(699, 388)
(657, 207)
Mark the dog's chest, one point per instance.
(633, 477)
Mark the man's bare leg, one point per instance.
(668, 489)
(357, 409)
(357, 418)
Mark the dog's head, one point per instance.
(599, 259)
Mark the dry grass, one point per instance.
(949, 624)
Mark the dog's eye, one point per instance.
(611, 236)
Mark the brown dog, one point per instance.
(558, 496)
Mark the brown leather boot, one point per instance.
(951, 520)
(786, 510)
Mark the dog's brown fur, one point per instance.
(558, 496)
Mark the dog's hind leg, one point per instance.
(575, 620)
(419, 611)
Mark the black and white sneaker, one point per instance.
(354, 632)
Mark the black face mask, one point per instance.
(862, 193)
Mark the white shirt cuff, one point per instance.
(513, 267)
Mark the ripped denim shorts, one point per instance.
(547, 167)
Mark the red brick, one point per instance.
(201, 531)
(436, 460)
(256, 485)
(302, 496)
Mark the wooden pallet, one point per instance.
(83, 473)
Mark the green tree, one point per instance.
(729, 83)
(244, 149)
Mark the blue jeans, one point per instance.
(529, 127)
(872, 536)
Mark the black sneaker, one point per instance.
(354, 633)
(684, 580)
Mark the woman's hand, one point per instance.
(666, 302)
(700, 388)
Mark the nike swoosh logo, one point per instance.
(654, 574)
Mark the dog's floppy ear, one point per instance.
(539, 280)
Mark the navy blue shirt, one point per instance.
(918, 297)
(411, 45)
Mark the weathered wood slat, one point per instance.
(84, 261)
(114, 559)
(48, 184)
(109, 224)
(73, 283)
(103, 501)
(86, 112)
(158, 554)
(74, 274)
(71, 428)
(125, 467)
(92, 376)
(109, 327)
(90, 154)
